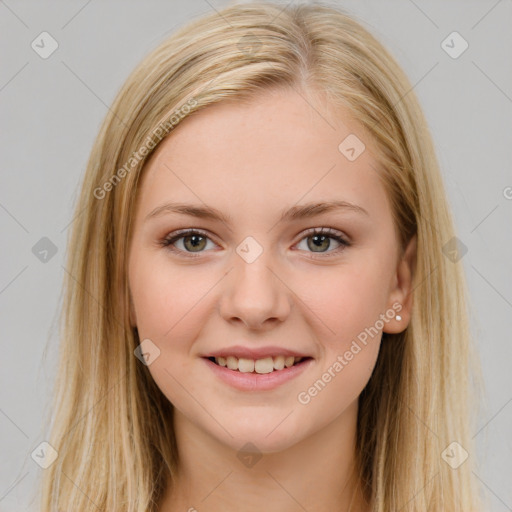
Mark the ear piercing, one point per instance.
(398, 317)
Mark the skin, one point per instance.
(250, 161)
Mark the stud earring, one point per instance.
(398, 317)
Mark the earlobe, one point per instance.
(402, 294)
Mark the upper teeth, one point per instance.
(266, 365)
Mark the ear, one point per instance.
(400, 296)
(133, 317)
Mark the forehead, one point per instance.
(280, 148)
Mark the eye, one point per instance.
(195, 240)
(320, 241)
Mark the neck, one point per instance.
(316, 474)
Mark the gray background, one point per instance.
(51, 110)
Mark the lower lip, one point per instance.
(258, 381)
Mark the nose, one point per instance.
(255, 293)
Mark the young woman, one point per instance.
(260, 310)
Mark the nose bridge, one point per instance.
(253, 263)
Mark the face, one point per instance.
(323, 285)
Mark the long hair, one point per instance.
(110, 424)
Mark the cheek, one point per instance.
(170, 308)
(347, 301)
(167, 299)
(347, 306)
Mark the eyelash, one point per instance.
(168, 241)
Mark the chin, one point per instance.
(268, 435)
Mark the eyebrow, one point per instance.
(294, 213)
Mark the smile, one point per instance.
(257, 374)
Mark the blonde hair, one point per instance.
(111, 425)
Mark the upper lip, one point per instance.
(239, 352)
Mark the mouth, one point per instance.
(273, 364)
